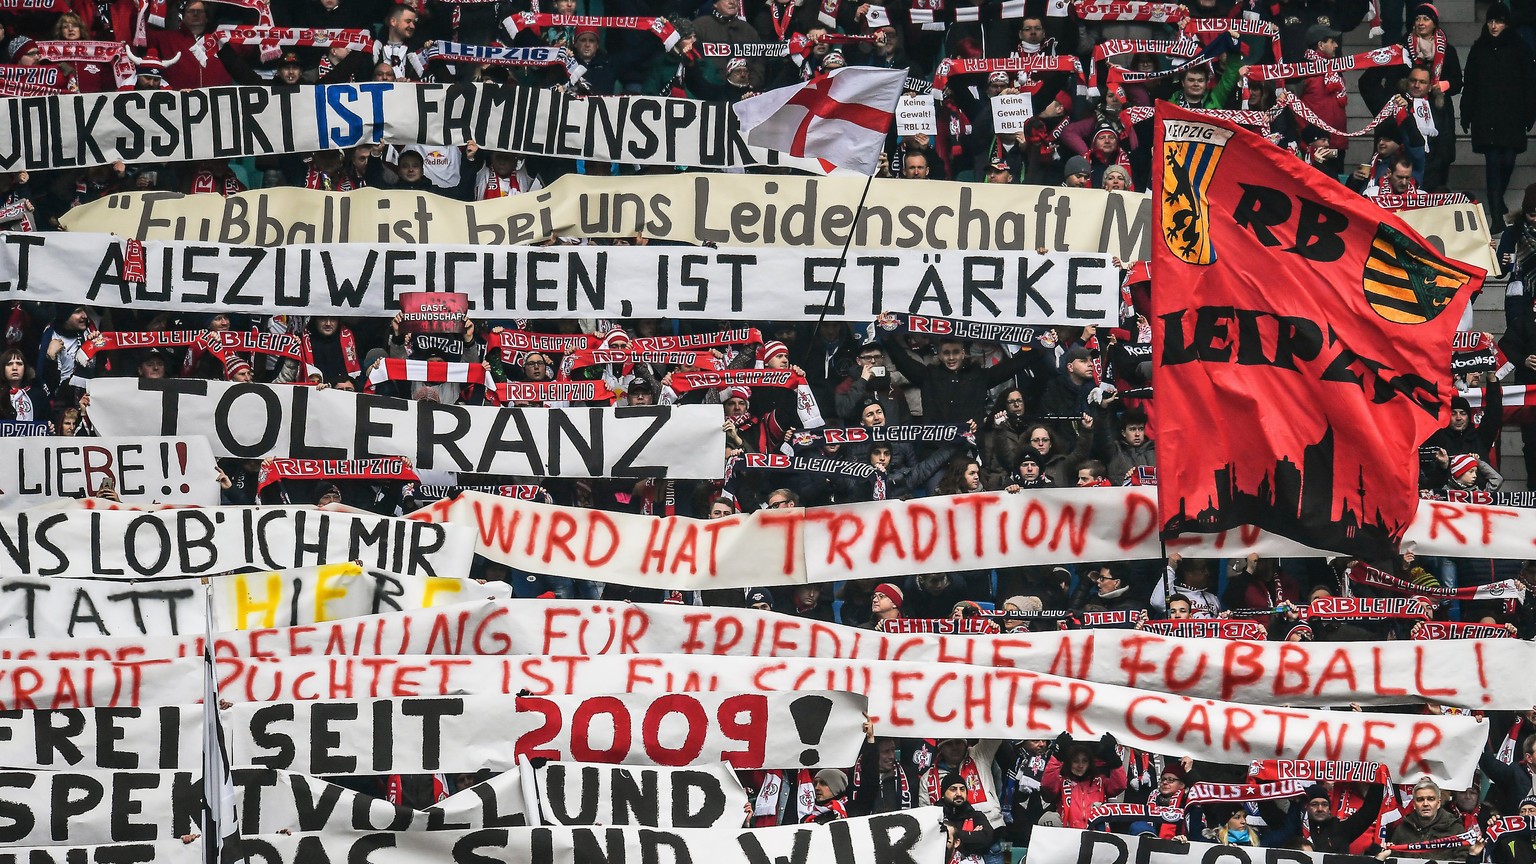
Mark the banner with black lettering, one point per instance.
(273, 802)
(194, 541)
(176, 851)
(51, 608)
(784, 212)
(160, 738)
(700, 796)
(1007, 288)
(251, 421)
(148, 470)
(234, 122)
(809, 729)
(92, 807)
(1072, 846)
(903, 837)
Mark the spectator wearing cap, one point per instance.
(885, 603)
(1117, 178)
(1324, 832)
(1461, 435)
(1077, 173)
(1065, 392)
(600, 77)
(829, 788)
(1465, 472)
(1172, 791)
(1326, 95)
(1429, 45)
(23, 51)
(1498, 107)
(1105, 150)
(723, 24)
(968, 832)
(237, 370)
(756, 598)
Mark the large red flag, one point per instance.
(1299, 339)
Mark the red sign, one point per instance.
(433, 311)
(1300, 334)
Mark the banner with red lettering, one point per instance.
(1318, 674)
(31, 685)
(1302, 335)
(921, 700)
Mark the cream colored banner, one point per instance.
(722, 209)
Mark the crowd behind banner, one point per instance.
(827, 476)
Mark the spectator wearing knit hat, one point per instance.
(885, 604)
(1462, 435)
(968, 832)
(1465, 472)
(831, 803)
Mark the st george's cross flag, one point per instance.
(841, 119)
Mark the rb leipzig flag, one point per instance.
(1300, 341)
(841, 118)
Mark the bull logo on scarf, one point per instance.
(1404, 282)
(1190, 154)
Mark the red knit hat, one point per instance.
(1461, 463)
(890, 590)
(772, 349)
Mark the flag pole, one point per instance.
(837, 274)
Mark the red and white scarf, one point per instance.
(219, 342)
(1281, 770)
(427, 371)
(685, 381)
(1509, 746)
(205, 182)
(975, 793)
(1209, 628)
(660, 27)
(395, 792)
(605, 356)
(1109, 619)
(1364, 574)
(1465, 838)
(513, 342)
(348, 350)
(1291, 102)
(1317, 64)
(1131, 10)
(1425, 630)
(1418, 200)
(271, 38)
(1510, 824)
(386, 468)
(553, 391)
(21, 403)
(718, 339)
(1205, 793)
(1357, 608)
(1028, 64)
(1437, 62)
(903, 786)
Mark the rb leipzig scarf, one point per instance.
(510, 392)
(1209, 628)
(1364, 574)
(718, 339)
(1008, 334)
(1282, 770)
(605, 356)
(683, 382)
(1392, 55)
(660, 27)
(509, 342)
(1425, 630)
(1355, 608)
(387, 468)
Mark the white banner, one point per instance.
(1463, 673)
(251, 421)
(143, 470)
(703, 796)
(1019, 287)
(51, 684)
(163, 738)
(232, 122)
(908, 699)
(899, 538)
(1071, 846)
(273, 802)
(67, 608)
(88, 808)
(697, 209)
(190, 541)
(470, 732)
(159, 851)
(903, 837)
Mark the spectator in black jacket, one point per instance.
(1511, 783)
(1461, 435)
(970, 834)
(955, 389)
(1331, 834)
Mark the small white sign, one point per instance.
(915, 115)
(1011, 112)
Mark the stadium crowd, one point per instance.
(1068, 411)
